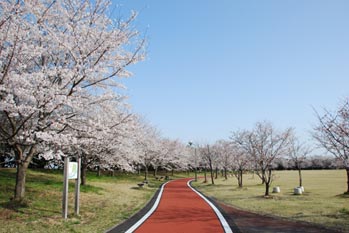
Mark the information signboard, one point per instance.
(73, 170)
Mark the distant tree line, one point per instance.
(311, 163)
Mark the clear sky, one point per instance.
(217, 66)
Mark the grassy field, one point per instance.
(322, 202)
(105, 202)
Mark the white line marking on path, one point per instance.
(147, 215)
(224, 223)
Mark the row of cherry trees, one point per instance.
(60, 65)
(255, 149)
(60, 94)
(264, 148)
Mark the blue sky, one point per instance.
(213, 67)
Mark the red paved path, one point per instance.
(181, 210)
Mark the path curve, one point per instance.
(181, 209)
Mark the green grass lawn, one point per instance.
(322, 202)
(105, 202)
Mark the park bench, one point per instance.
(140, 185)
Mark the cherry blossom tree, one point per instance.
(332, 133)
(298, 155)
(240, 165)
(265, 144)
(216, 165)
(147, 146)
(163, 156)
(241, 155)
(174, 155)
(194, 158)
(103, 131)
(55, 58)
(224, 153)
(122, 155)
(209, 158)
(241, 141)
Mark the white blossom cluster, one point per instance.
(60, 65)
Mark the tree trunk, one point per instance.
(267, 189)
(83, 173)
(205, 173)
(216, 176)
(22, 166)
(225, 173)
(211, 171)
(300, 177)
(20, 181)
(261, 175)
(267, 181)
(196, 174)
(146, 173)
(240, 178)
(98, 171)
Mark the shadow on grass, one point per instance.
(43, 210)
(23, 207)
(137, 188)
(236, 189)
(344, 195)
(270, 197)
(15, 205)
(91, 189)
